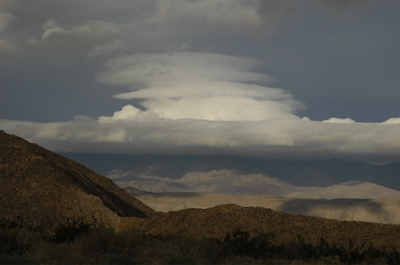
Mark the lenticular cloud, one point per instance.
(202, 86)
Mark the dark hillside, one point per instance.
(44, 188)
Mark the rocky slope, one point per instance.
(44, 188)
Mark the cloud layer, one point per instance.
(295, 139)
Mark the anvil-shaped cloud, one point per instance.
(197, 103)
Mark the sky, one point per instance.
(304, 79)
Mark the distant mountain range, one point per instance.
(366, 210)
(241, 176)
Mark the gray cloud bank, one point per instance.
(198, 103)
(105, 24)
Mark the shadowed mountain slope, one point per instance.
(47, 189)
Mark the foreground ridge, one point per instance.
(217, 221)
(46, 189)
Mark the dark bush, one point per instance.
(68, 232)
(16, 238)
(240, 243)
(97, 241)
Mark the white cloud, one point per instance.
(206, 86)
(129, 113)
(339, 120)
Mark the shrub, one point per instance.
(240, 243)
(69, 231)
(16, 238)
(97, 241)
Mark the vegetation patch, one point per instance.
(78, 243)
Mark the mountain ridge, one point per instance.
(366, 210)
(44, 188)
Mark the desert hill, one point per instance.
(217, 221)
(367, 210)
(44, 188)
